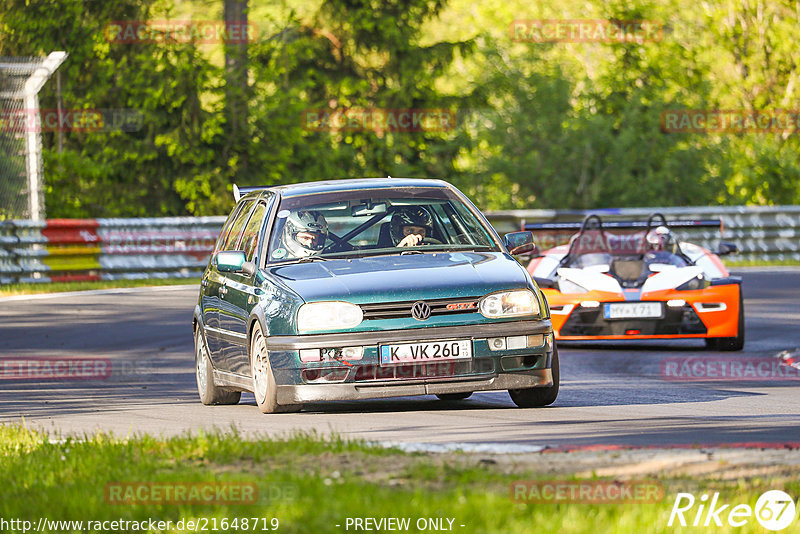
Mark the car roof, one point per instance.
(350, 184)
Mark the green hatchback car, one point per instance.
(368, 288)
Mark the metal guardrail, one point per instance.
(59, 250)
(176, 247)
(767, 233)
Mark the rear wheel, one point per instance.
(537, 397)
(264, 387)
(731, 343)
(209, 393)
(454, 396)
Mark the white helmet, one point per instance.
(305, 222)
(660, 239)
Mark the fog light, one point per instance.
(590, 304)
(497, 343)
(516, 342)
(676, 303)
(352, 353)
(310, 355)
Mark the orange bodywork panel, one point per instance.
(718, 322)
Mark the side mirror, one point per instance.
(234, 261)
(726, 247)
(520, 243)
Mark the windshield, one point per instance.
(366, 222)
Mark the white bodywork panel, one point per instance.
(591, 280)
(671, 278)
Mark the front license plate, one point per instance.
(633, 310)
(434, 351)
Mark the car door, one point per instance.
(218, 336)
(239, 296)
(210, 285)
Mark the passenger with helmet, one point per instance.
(410, 225)
(305, 233)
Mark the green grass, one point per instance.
(58, 287)
(311, 483)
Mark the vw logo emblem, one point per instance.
(420, 311)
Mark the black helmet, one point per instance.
(410, 216)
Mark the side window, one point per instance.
(227, 227)
(236, 228)
(250, 236)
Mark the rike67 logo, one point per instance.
(775, 510)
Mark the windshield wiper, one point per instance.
(309, 259)
(407, 252)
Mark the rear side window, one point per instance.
(252, 230)
(236, 228)
(227, 227)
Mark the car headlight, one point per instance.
(328, 315)
(698, 282)
(509, 304)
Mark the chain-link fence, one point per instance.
(21, 183)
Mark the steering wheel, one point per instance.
(430, 241)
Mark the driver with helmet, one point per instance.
(304, 233)
(661, 247)
(410, 225)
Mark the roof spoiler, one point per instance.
(239, 192)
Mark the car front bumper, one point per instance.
(486, 371)
(299, 394)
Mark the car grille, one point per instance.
(368, 373)
(395, 310)
(399, 373)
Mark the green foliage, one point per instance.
(563, 125)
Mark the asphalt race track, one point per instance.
(610, 395)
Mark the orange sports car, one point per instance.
(635, 280)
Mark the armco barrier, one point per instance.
(174, 247)
(105, 249)
(768, 233)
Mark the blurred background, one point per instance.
(537, 124)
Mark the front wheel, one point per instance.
(209, 393)
(730, 344)
(264, 387)
(537, 397)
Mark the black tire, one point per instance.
(454, 396)
(730, 344)
(538, 397)
(210, 394)
(264, 386)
